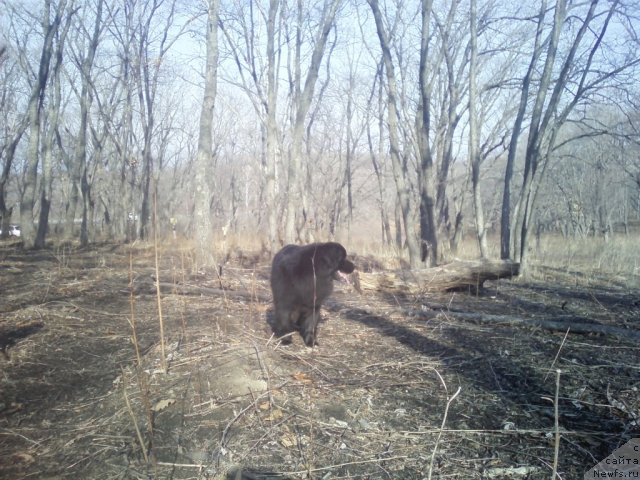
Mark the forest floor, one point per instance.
(376, 399)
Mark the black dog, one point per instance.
(301, 279)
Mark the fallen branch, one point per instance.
(577, 324)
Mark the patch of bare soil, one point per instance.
(376, 399)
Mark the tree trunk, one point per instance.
(271, 180)
(202, 213)
(35, 118)
(398, 223)
(146, 99)
(532, 155)
(129, 167)
(13, 139)
(46, 183)
(296, 192)
(6, 211)
(451, 106)
(505, 218)
(474, 136)
(147, 173)
(399, 169)
(377, 154)
(428, 228)
(264, 98)
(546, 119)
(80, 187)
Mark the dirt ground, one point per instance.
(399, 388)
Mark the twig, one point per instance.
(9, 432)
(235, 419)
(495, 377)
(557, 354)
(265, 372)
(444, 420)
(278, 340)
(339, 465)
(556, 427)
(283, 421)
(133, 417)
(522, 431)
(182, 465)
(163, 360)
(132, 321)
(312, 367)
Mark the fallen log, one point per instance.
(459, 275)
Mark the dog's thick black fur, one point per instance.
(301, 279)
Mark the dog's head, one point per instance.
(329, 258)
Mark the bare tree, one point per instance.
(428, 228)
(505, 218)
(116, 113)
(376, 150)
(354, 122)
(202, 213)
(13, 127)
(50, 137)
(399, 169)
(241, 30)
(474, 134)
(589, 191)
(49, 27)
(271, 127)
(446, 88)
(108, 124)
(579, 77)
(302, 96)
(532, 156)
(7, 153)
(80, 187)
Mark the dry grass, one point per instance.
(593, 257)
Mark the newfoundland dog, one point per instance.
(301, 279)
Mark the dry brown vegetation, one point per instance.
(369, 402)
